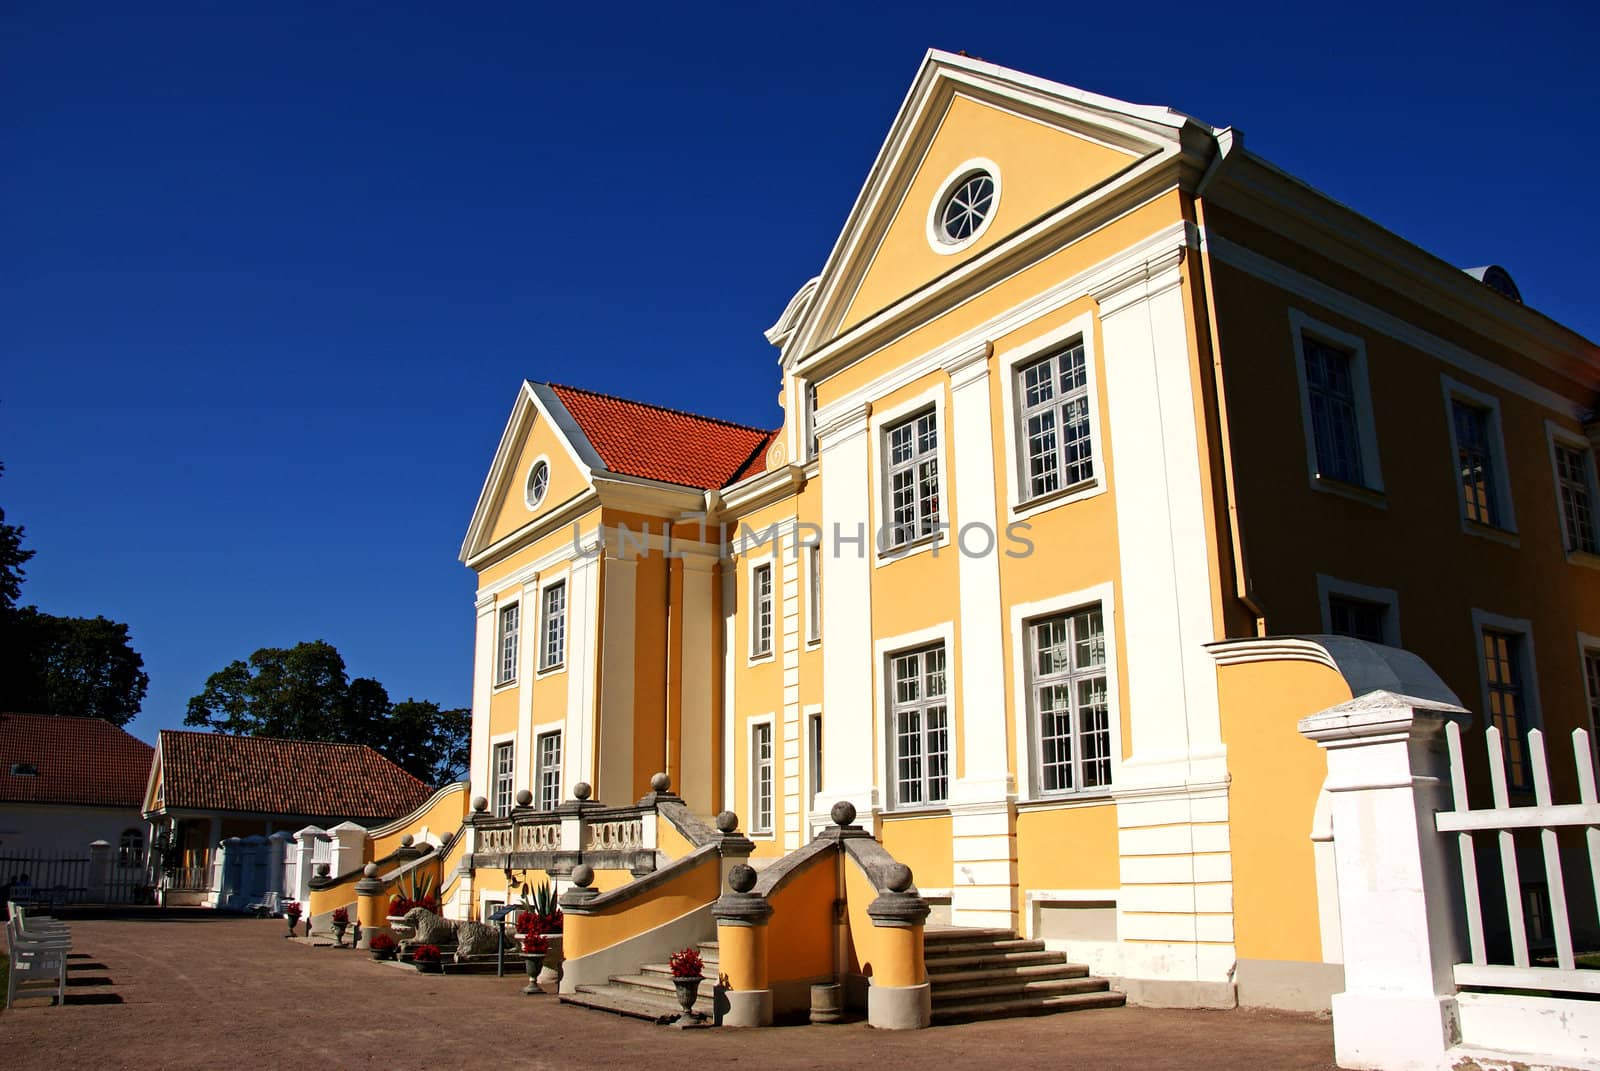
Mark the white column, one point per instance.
(527, 646)
(614, 784)
(696, 773)
(982, 829)
(482, 685)
(1398, 880)
(349, 844)
(848, 678)
(583, 630)
(305, 854)
(1176, 904)
(278, 860)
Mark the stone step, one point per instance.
(661, 986)
(969, 948)
(621, 1001)
(661, 970)
(1006, 1009)
(1024, 972)
(958, 934)
(990, 992)
(940, 964)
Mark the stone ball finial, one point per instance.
(407, 841)
(582, 791)
(370, 870)
(480, 804)
(321, 870)
(583, 875)
(843, 813)
(524, 797)
(661, 783)
(727, 821)
(898, 877)
(742, 878)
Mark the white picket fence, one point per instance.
(1503, 820)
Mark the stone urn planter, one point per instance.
(688, 990)
(383, 947)
(686, 968)
(293, 919)
(534, 964)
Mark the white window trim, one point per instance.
(1018, 507)
(494, 742)
(1555, 435)
(1506, 531)
(1589, 644)
(1300, 326)
(1387, 597)
(811, 562)
(944, 632)
(810, 774)
(540, 670)
(966, 170)
(878, 459)
(750, 724)
(496, 684)
(1104, 594)
(545, 729)
(550, 473)
(1481, 620)
(748, 614)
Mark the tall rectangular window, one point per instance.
(1335, 426)
(1591, 678)
(1358, 618)
(547, 772)
(913, 447)
(1475, 463)
(504, 770)
(920, 724)
(761, 778)
(506, 672)
(1071, 713)
(554, 647)
(814, 750)
(813, 594)
(1573, 482)
(1505, 677)
(811, 421)
(1055, 421)
(761, 611)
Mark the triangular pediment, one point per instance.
(539, 431)
(1049, 147)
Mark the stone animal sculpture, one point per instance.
(470, 938)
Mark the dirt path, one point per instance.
(206, 991)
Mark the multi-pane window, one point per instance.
(547, 771)
(811, 420)
(920, 723)
(506, 672)
(1504, 676)
(1071, 713)
(130, 849)
(504, 765)
(1591, 676)
(813, 593)
(761, 778)
(1055, 421)
(914, 479)
(1577, 511)
(1475, 462)
(761, 610)
(1335, 427)
(554, 647)
(814, 749)
(1359, 619)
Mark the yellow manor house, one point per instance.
(1111, 452)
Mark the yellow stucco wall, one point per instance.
(923, 844)
(800, 941)
(1068, 848)
(566, 480)
(679, 895)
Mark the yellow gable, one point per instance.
(1040, 167)
(540, 442)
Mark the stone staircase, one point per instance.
(649, 994)
(993, 974)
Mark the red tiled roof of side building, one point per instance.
(84, 761)
(261, 775)
(657, 443)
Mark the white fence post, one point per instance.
(278, 863)
(1387, 775)
(305, 854)
(349, 845)
(100, 871)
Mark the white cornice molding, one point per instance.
(969, 364)
(793, 313)
(1155, 276)
(574, 509)
(842, 420)
(1270, 649)
(762, 490)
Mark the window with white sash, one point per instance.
(506, 669)
(919, 727)
(1070, 714)
(1057, 444)
(761, 611)
(553, 648)
(813, 594)
(761, 787)
(504, 767)
(913, 479)
(1575, 483)
(547, 770)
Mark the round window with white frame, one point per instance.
(538, 483)
(964, 207)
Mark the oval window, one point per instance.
(538, 483)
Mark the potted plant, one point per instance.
(534, 948)
(383, 946)
(341, 919)
(426, 959)
(686, 968)
(291, 915)
(541, 915)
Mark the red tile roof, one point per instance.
(302, 778)
(79, 760)
(638, 439)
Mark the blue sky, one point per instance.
(269, 281)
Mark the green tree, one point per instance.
(12, 559)
(304, 692)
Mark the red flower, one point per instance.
(381, 942)
(340, 915)
(685, 964)
(426, 954)
(535, 944)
